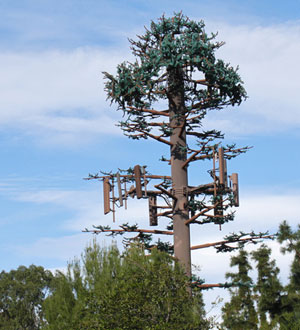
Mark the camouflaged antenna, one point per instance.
(176, 64)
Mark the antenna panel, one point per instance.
(218, 210)
(222, 167)
(106, 197)
(235, 188)
(119, 189)
(138, 184)
(152, 211)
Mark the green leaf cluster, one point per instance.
(268, 288)
(240, 312)
(107, 290)
(288, 306)
(22, 292)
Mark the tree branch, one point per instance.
(209, 286)
(152, 111)
(164, 214)
(191, 158)
(199, 214)
(97, 231)
(158, 138)
(165, 191)
(206, 245)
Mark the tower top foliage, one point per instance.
(181, 48)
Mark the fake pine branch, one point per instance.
(124, 229)
(223, 246)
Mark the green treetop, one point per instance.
(239, 312)
(22, 292)
(133, 291)
(289, 315)
(267, 288)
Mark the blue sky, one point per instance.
(56, 126)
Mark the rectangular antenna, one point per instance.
(225, 173)
(235, 188)
(112, 187)
(138, 184)
(222, 167)
(131, 191)
(106, 192)
(126, 194)
(152, 210)
(218, 210)
(119, 189)
(145, 179)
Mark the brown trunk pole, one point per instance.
(178, 171)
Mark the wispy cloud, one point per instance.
(268, 63)
(62, 248)
(87, 205)
(59, 95)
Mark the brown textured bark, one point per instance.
(177, 112)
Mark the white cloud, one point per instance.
(268, 64)
(93, 215)
(86, 207)
(50, 81)
(59, 94)
(266, 211)
(62, 248)
(85, 210)
(60, 197)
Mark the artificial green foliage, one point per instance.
(170, 57)
(239, 313)
(268, 288)
(107, 290)
(22, 292)
(241, 239)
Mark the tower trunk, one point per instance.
(179, 175)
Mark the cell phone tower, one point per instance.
(176, 65)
